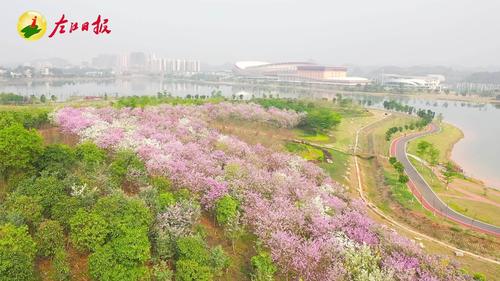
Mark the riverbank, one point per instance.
(463, 194)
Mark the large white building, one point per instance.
(297, 71)
(429, 82)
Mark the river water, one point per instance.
(478, 153)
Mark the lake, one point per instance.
(478, 153)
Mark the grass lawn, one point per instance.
(428, 175)
(345, 133)
(339, 168)
(314, 137)
(376, 142)
(443, 141)
(476, 210)
(305, 151)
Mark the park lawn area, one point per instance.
(313, 137)
(378, 143)
(305, 151)
(400, 191)
(338, 170)
(443, 141)
(477, 188)
(479, 210)
(474, 209)
(428, 175)
(345, 133)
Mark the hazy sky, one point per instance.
(362, 32)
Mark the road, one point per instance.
(424, 192)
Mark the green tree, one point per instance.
(19, 148)
(43, 99)
(131, 248)
(189, 270)
(26, 208)
(122, 213)
(90, 155)
(422, 148)
(56, 159)
(403, 178)
(103, 265)
(449, 173)
(64, 209)
(88, 230)
(17, 253)
(193, 248)
(48, 189)
(321, 119)
(263, 268)
(226, 209)
(433, 156)
(49, 238)
(399, 167)
(392, 160)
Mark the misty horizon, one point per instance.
(454, 34)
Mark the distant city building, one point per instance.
(105, 61)
(297, 71)
(429, 82)
(137, 61)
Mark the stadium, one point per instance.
(296, 72)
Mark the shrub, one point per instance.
(49, 238)
(161, 183)
(88, 230)
(219, 261)
(226, 209)
(17, 253)
(393, 160)
(403, 178)
(189, 270)
(165, 199)
(263, 267)
(161, 272)
(61, 265)
(124, 164)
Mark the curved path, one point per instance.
(424, 193)
(392, 221)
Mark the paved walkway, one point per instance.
(424, 193)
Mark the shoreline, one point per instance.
(318, 88)
(448, 156)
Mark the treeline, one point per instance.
(400, 169)
(14, 99)
(319, 118)
(32, 118)
(162, 98)
(426, 117)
